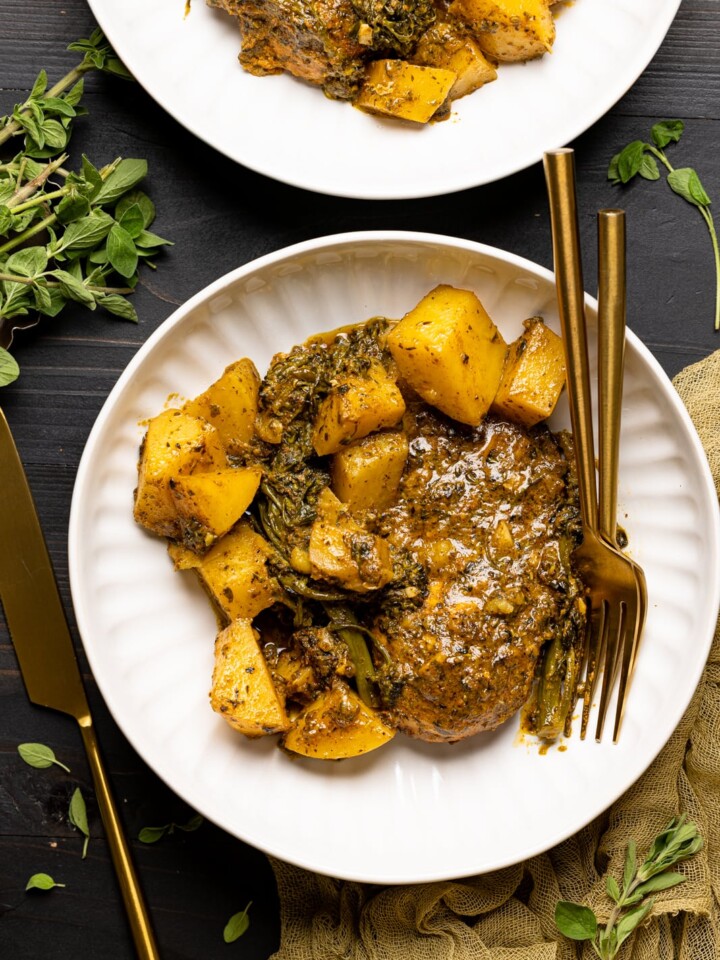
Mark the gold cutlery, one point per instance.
(612, 299)
(610, 582)
(45, 653)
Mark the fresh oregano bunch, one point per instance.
(678, 841)
(68, 236)
(640, 158)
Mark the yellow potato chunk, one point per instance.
(337, 725)
(342, 552)
(395, 88)
(367, 473)
(508, 29)
(230, 404)
(356, 407)
(234, 572)
(243, 692)
(450, 352)
(209, 504)
(534, 375)
(447, 45)
(175, 444)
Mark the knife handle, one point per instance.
(133, 899)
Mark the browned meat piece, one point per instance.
(315, 40)
(491, 515)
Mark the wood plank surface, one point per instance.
(221, 216)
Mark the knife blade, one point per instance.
(46, 656)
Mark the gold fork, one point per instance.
(611, 350)
(608, 577)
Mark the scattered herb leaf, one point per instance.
(77, 815)
(41, 881)
(153, 834)
(68, 236)
(641, 158)
(678, 841)
(37, 754)
(237, 925)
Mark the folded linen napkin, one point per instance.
(509, 914)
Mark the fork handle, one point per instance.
(137, 913)
(611, 358)
(560, 178)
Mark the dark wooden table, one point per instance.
(221, 216)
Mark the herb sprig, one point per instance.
(153, 834)
(678, 841)
(68, 236)
(640, 158)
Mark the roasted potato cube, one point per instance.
(234, 572)
(446, 45)
(395, 88)
(243, 692)
(508, 29)
(209, 504)
(356, 407)
(534, 375)
(367, 473)
(230, 404)
(175, 444)
(342, 552)
(450, 352)
(337, 725)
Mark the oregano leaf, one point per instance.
(237, 925)
(40, 756)
(575, 921)
(42, 881)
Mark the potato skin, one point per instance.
(175, 444)
(450, 352)
(337, 725)
(534, 375)
(243, 692)
(508, 30)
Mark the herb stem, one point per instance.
(37, 201)
(32, 185)
(661, 157)
(16, 278)
(708, 218)
(12, 128)
(26, 234)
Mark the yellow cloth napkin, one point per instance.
(509, 914)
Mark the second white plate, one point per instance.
(411, 811)
(290, 131)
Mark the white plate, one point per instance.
(410, 811)
(290, 131)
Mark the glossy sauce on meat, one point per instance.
(491, 513)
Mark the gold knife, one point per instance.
(45, 653)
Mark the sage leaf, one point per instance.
(39, 87)
(40, 756)
(630, 920)
(77, 815)
(73, 288)
(153, 834)
(42, 881)
(612, 888)
(237, 925)
(124, 177)
(630, 864)
(86, 233)
(9, 369)
(686, 183)
(149, 240)
(661, 881)
(143, 201)
(121, 251)
(132, 220)
(29, 262)
(118, 306)
(575, 921)
(649, 168)
(193, 824)
(667, 131)
(630, 159)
